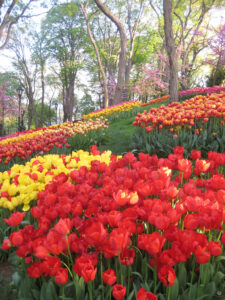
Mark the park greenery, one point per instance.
(112, 150)
(76, 57)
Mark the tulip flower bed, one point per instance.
(201, 91)
(137, 228)
(197, 123)
(28, 131)
(20, 185)
(45, 139)
(186, 94)
(114, 109)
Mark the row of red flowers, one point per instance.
(185, 113)
(45, 139)
(162, 208)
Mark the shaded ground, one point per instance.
(6, 273)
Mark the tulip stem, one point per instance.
(145, 260)
(168, 297)
(101, 276)
(90, 289)
(128, 279)
(206, 273)
(121, 271)
(110, 293)
(68, 247)
(193, 270)
(63, 294)
(154, 273)
(71, 274)
(219, 235)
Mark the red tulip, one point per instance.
(15, 219)
(61, 276)
(6, 244)
(119, 291)
(88, 272)
(167, 275)
(63, 226)
(142, 294)
(109, 276)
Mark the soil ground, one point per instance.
(6, 273)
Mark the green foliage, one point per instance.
(144, 46)
(216, 77)
(207, 283)
(84, 142)
(48, 114)
(65, 37)
(211, 137)
(12, 83)
(86, 104)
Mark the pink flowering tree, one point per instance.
(217, 57)
(151, 83)
(8, 107)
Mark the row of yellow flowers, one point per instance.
(121, 107)
(21, 184)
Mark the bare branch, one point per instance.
(158, 17)
(8, 20)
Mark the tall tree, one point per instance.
(171, 50)
(104, 77)
(190, 31)
(123, 48)
(65, 40)
(191, 34)
(108, 43)
(132, 28)
(39, 56)
(27, 72)
(127, 16)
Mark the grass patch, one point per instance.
(120, 132)
(119, 136)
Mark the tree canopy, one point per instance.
(110, 50)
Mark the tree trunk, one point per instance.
(127, 79)
(32, 113)
(105, 83)
(32, 110)
(49, 112)
(42, 95)
(123, 46)
(171, 50)
(2, 127)
(69, 103)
